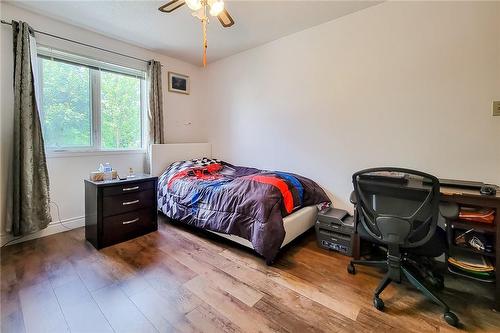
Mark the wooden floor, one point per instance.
(175, 280)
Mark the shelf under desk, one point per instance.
(470, 197)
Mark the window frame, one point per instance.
(95, 68)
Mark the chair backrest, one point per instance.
(397, 206)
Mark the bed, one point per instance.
(262, 210)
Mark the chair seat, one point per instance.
(435, 247)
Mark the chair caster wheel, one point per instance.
(351, 269)
(378, 303)
(451, 318)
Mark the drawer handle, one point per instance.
(130, 202)
(130, 188)
(131, 221)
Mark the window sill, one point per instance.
(83, 153)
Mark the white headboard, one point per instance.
(162, 155)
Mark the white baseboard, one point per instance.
(53, 228)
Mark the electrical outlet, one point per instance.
(496, 108)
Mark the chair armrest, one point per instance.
(449, 210)
(353, 198)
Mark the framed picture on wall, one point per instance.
(178, 83)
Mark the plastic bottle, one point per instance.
(108, 171)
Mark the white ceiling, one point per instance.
(179, 35)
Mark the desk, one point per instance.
(463, 197)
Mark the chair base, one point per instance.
(394, 274)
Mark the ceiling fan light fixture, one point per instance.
(199, 14)
(199, 10)
(193, 4)
(216, 7)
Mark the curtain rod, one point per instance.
(81, 43)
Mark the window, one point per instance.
(88, 105)
(120, 111)
(66, 104)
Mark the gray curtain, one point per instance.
(30, 201)
(155, 108)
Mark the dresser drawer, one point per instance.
(122, 227)
(118, 204)
(128, 188)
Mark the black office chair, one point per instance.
(399, 209)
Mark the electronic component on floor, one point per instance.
(335, 230)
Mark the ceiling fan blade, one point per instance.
(225, 19)
(171, 6)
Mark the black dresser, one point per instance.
(119, 210)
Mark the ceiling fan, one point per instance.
(200, 9)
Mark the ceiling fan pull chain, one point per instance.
(205, 43)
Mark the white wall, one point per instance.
(402, 83)
(407, 84)
(67, 173)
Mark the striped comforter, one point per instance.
(247, 202)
